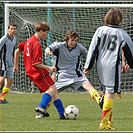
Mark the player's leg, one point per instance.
(49, 104)
(107, 119)
(46, 99)
(5, 91)
(45, 87)
(8, 81)
(58, 105)
(49, 95)
(118, 94)
(94, 93)
(110, 121)
(2, 78)
(53, 76)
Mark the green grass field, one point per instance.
(19, 115)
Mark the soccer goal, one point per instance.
(84, 18)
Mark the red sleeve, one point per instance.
(21, 46)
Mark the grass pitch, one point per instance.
(19, 115)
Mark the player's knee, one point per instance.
(52, 90)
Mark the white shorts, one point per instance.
(111, 89)
(8, 73)
(73, 82)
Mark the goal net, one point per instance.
(85, 18)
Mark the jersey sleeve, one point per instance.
(93, 50)
(128, 49)
(83, 51)
(55, 45)
(2, 42)
(21, 46)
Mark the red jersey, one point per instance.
(33, 55)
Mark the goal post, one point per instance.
(84, 18)
(49, 5)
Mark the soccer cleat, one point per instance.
(101, 100)
(42, 111)
(110, 123)
(4, 102)
(105, 127)
(39, 115)
(62, 117)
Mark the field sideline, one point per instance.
(19, 115)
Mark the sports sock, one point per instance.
(110, 121)
(107, 111)
(46, 98)
(4, 94)
(49, 104)
(95, 95)
(59, 106)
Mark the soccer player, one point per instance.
(37, 71)
(106, 47)
(69, 67)
(7, 47)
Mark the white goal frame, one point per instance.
(127, 83)
(58, 5)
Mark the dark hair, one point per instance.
(12, 24)
(71, 33)
(42, 26)
(113, 17)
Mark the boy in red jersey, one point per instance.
(37, 71)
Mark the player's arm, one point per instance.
(16, 59)
(51, 48)
(128, 51)
(123, 63)
(127, 66)
(86, 72)
(49, 68)
(17, 53)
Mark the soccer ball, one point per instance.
(71, 112)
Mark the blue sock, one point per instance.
(46, 98)
(59, 106)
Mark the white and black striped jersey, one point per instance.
(68, 63)
(68, 60)
(106, 47)
(7, 48)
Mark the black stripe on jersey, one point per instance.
(77, 66)
(128, 55)
(3, 56)
(117, 76)
(95, 53)
(56, 53)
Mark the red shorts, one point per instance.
(44, 83)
